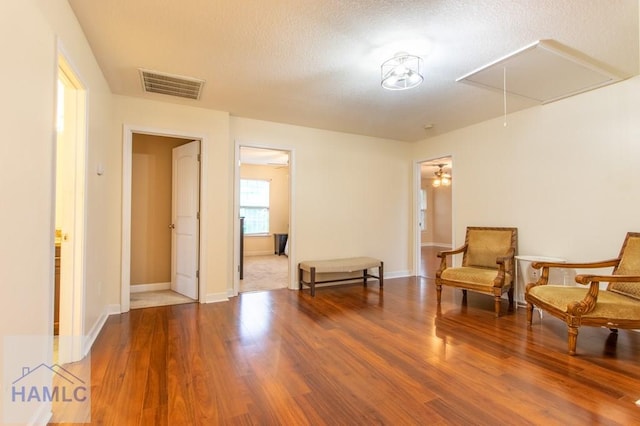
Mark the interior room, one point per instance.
(436, 177)
(264, 220)
(531, 108)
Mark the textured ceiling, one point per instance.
(317, 63)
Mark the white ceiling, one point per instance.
(428, 168)
(265, 157)
(317, 63)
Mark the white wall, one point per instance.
(566, 173)
(351, 193)
(217, 159)
(31, 30)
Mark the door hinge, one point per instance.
(198, 157)
(198, 215)
(198, 274)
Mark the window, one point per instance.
(254, 206)
(423, 210)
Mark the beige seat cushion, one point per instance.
(609, 305)
(349, 264)
(471, 275)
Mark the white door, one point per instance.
(185, 210)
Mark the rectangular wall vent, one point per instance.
(172, 85)
(542, 72)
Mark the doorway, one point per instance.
(434, 213)
(69, 226)
(264, 188)
(164, 208)
(161, 212)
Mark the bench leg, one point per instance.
(365, 273)
(381, 274)
(313, 281)
(300, 272)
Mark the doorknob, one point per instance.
(171, 226)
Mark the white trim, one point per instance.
(398, 274)
(127, 145)
(97, 327)
(72, 318)
(216, 297)
(259, 253)
(42, 416)
(417, 178)
(143, 288)
(433, 244)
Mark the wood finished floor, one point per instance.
(357, 356)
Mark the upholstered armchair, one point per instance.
(487, 264)
(616, 307)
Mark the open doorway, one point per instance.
(435, 213)
(69, 231)
(195, 219)
(164, 220)
(264, 208)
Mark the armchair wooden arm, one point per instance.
(586, 279)
(443, 256)
(584, 265)
(445, 253)
(617, 306)
(588, 304)
(546, 266)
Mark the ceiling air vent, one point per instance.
(172, 85)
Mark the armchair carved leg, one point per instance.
(496, 304)
(529, 313)
(510, 296)
(438, 293)
(573, 338)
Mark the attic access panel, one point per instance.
(542, 73)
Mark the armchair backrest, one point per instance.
(629, 265)
(485, 245)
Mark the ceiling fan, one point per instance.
(442, 178)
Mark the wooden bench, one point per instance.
(355, 267)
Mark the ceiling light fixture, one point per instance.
(442, 178)
(402, 72)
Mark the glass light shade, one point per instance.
(436, 182)
(401, 72)
(446, 181)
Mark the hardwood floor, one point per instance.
(429, 261)
(358, 356)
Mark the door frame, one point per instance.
(417, 178)
(236, 213)
(71, 326)
(127, 156)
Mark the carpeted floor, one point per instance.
(264, 273)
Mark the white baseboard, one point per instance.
(432, 244)
(91, 337)
(216, 297)
(259, 253)
(397, 274)
(141, 288)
